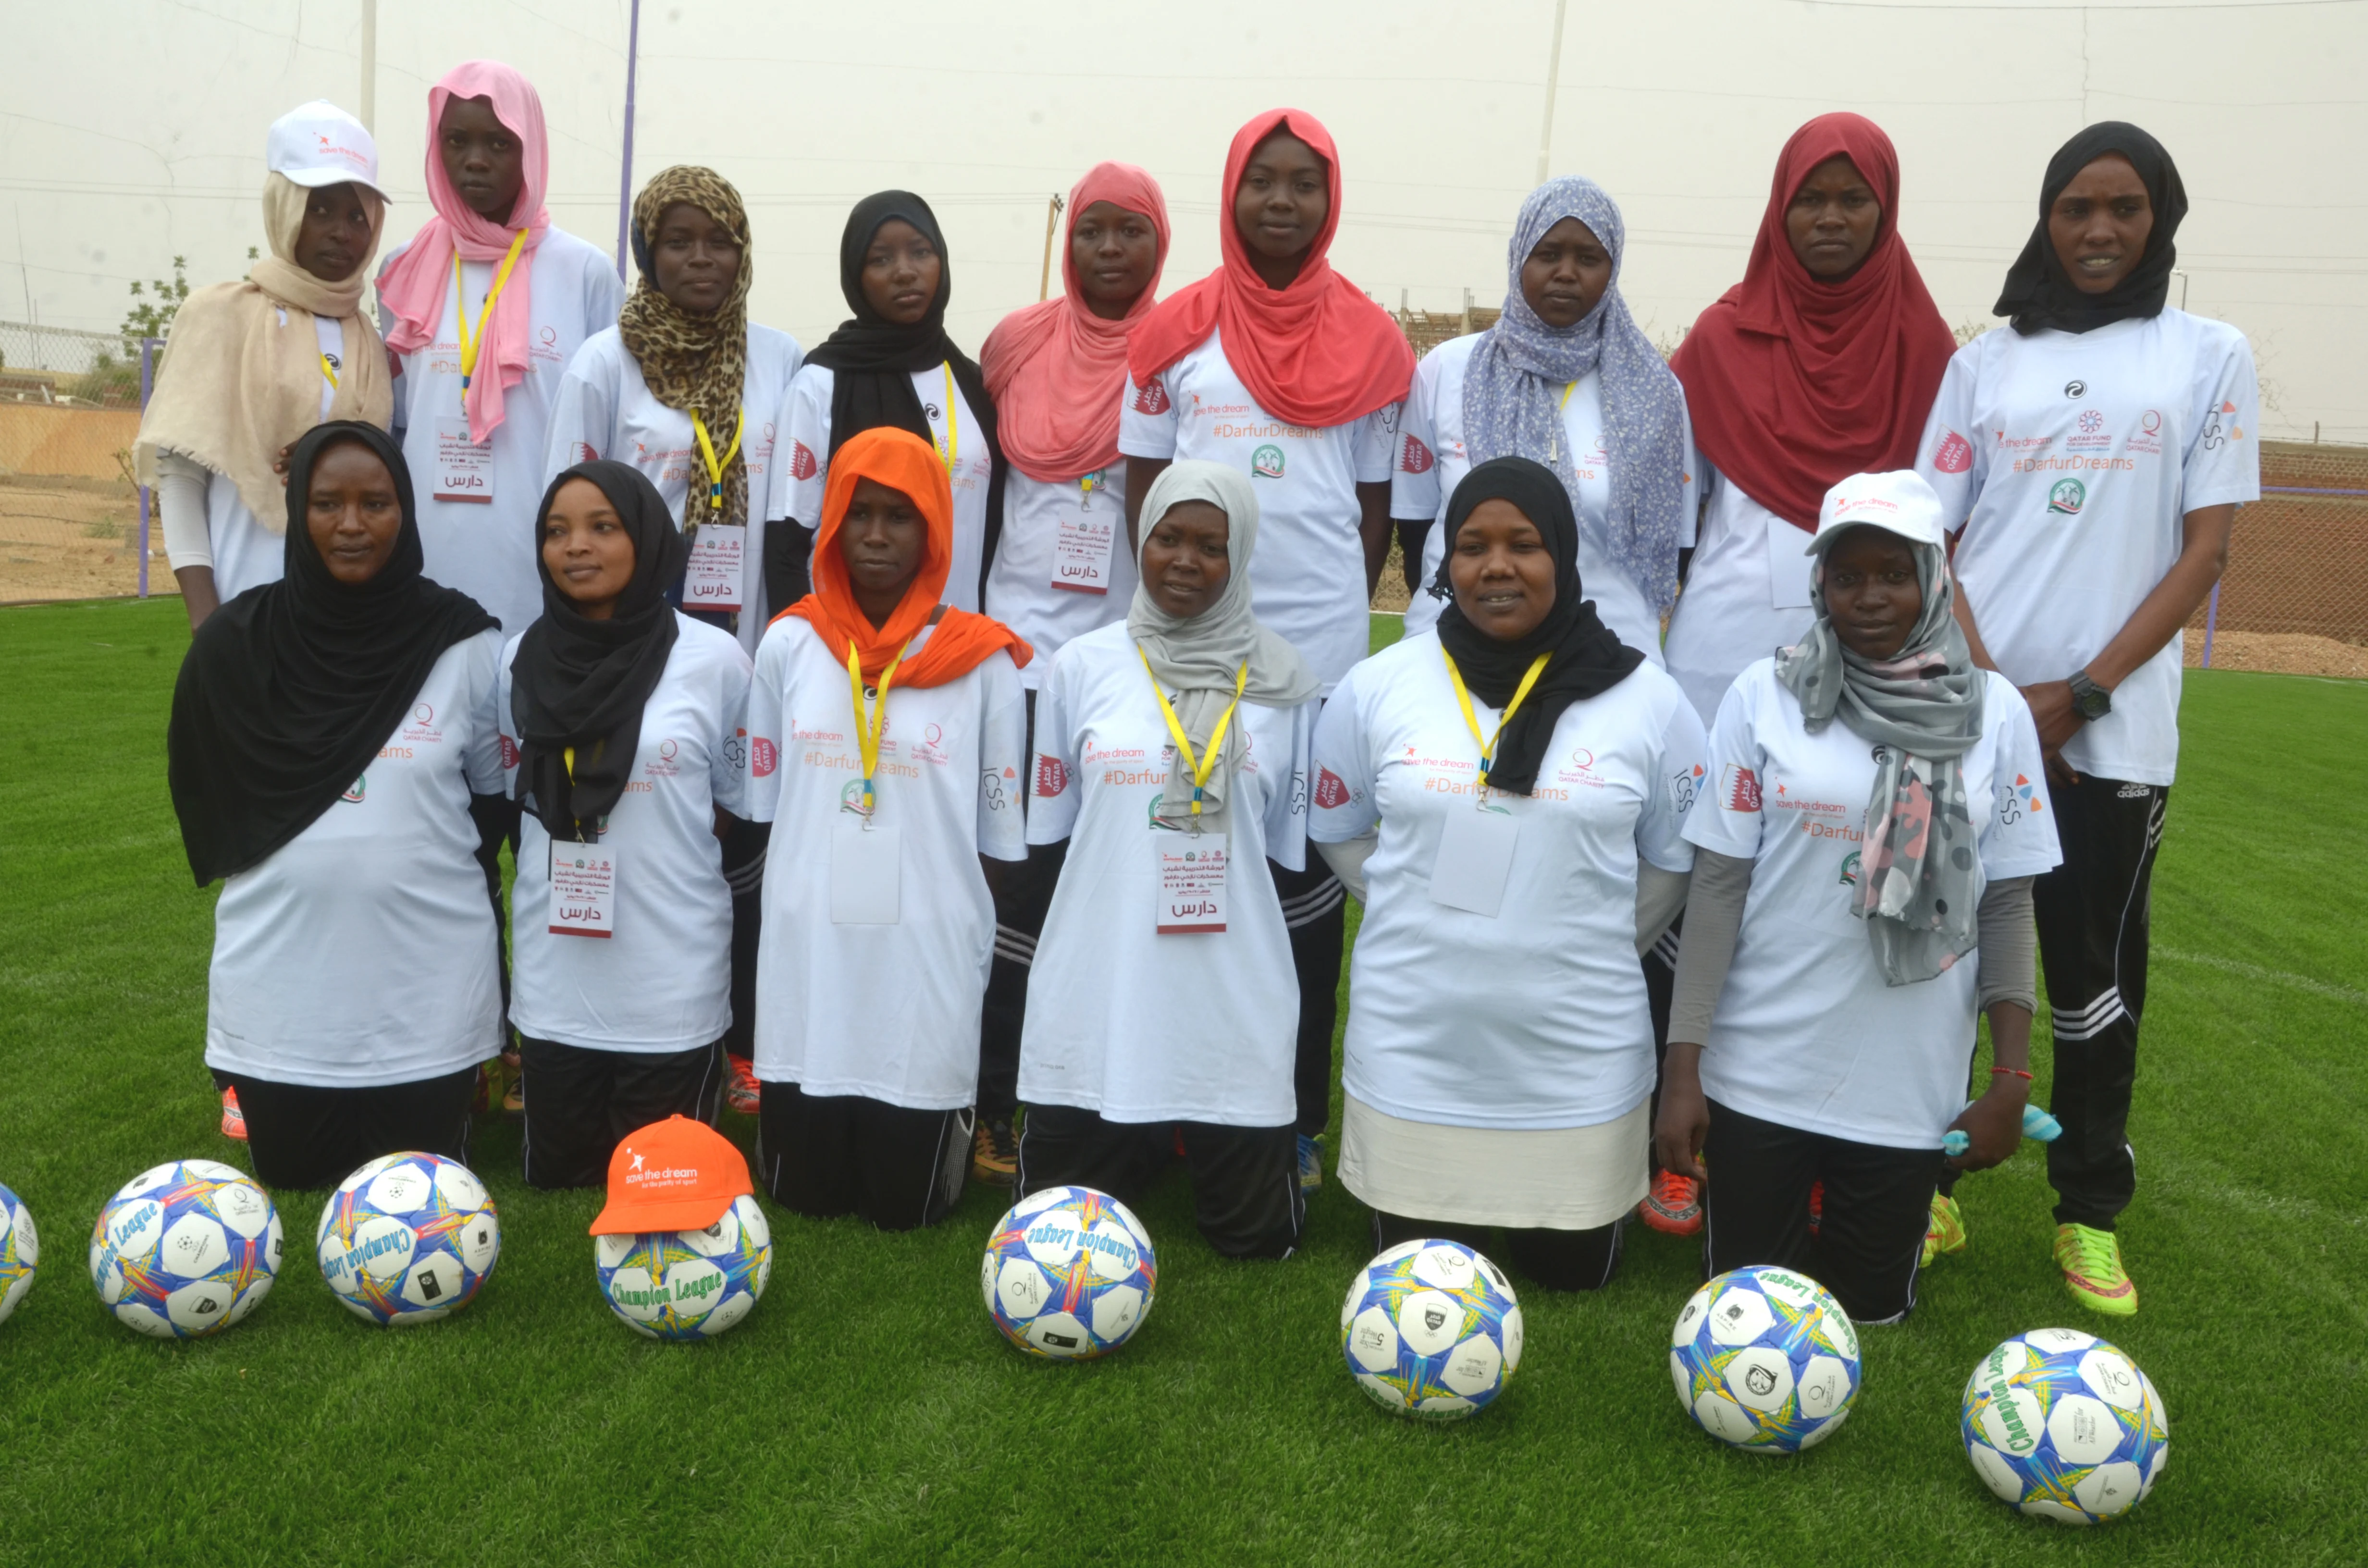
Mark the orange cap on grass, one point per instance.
(675, 1175)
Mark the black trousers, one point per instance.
(2092, 914)
(1246, 1193)
(1660, 961)
(1413, 533)
(1870, 1237)
(1559, 1260)
(299, 1136)
(581, 1103)
(1023, 896)
(825, 1155)
(1315, 909)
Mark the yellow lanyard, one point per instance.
(1553, 442)
(1470, 720)
(1206, 763)
(568, 755)
(1086, 490)
(868, 726)
(472, 345)
(715, 466)
(949, 449)
(329, 372)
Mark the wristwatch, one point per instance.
(2093, 701)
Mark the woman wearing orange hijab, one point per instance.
(886, 736)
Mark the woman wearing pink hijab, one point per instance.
(1057, 372)
(482, 310)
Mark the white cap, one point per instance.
(320, 144)
(1900, 502)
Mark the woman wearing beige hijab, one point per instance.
(253, 365)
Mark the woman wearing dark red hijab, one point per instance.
(1278, 367)
(1820, 364)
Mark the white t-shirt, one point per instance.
(486, 550)
(1806, 1034)
(2072, 460)
(246, 554)
(1053, 533)
(1537, 1017)
(361, 952)
(1432, 460)
(605, 410)
(890, 1011)
(662, 980)
(1746, 595)
(799, 484)
(1307, 578)
(1140, 1027)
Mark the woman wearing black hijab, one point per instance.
(623, 717)
(2094, 458)
(1505, 793)
(333, 757)
(891, 364)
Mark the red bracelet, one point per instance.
(2016, 1071)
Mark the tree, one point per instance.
(157, 300)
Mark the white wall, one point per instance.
(131, 129)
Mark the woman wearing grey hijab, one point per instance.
(1171, 754)
(1882, 803)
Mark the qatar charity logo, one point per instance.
(1955, 455)
(1267, 462)
(1417, 458)
(1151, 397)
(2068, 497)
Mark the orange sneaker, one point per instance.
(1672, 1205)
(234, 1120)
(741, 1090)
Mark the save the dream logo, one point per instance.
(2066, 498)
(1415, 458)
(1267, 462)
(1738, 789)
(1955, 455)
(1151, 397)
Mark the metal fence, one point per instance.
(74, 523)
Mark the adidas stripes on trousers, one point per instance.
(2092, 915)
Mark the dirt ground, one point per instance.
(72, 538)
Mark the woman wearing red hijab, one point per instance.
(1820, 364)
(1278, 366)
(1057, 374)
(885, 745)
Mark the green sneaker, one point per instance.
(2091, 1261)
(1946, 1233)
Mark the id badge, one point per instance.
(463, 470)
(719, 553)
(1475, 857)
(583, 889)
(1081, 551)
(866, 868)
(1190, 876)
(1788, 565)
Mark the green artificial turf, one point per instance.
(869, 1413)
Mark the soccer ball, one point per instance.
(1765, 1360)
(185, 1249)
(407, 1239)
(687, 1284)
(2063, 1425)
(1069, 1274)
(20, 1249)
(1431, 1329)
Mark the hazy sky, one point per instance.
(132, 129)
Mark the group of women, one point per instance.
(857, 778)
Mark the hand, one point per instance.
(1684, 1122)
(2052, 710)
(279, 463)
(1994, 1122)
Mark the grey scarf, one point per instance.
(1200, 659)
(1919, 874)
